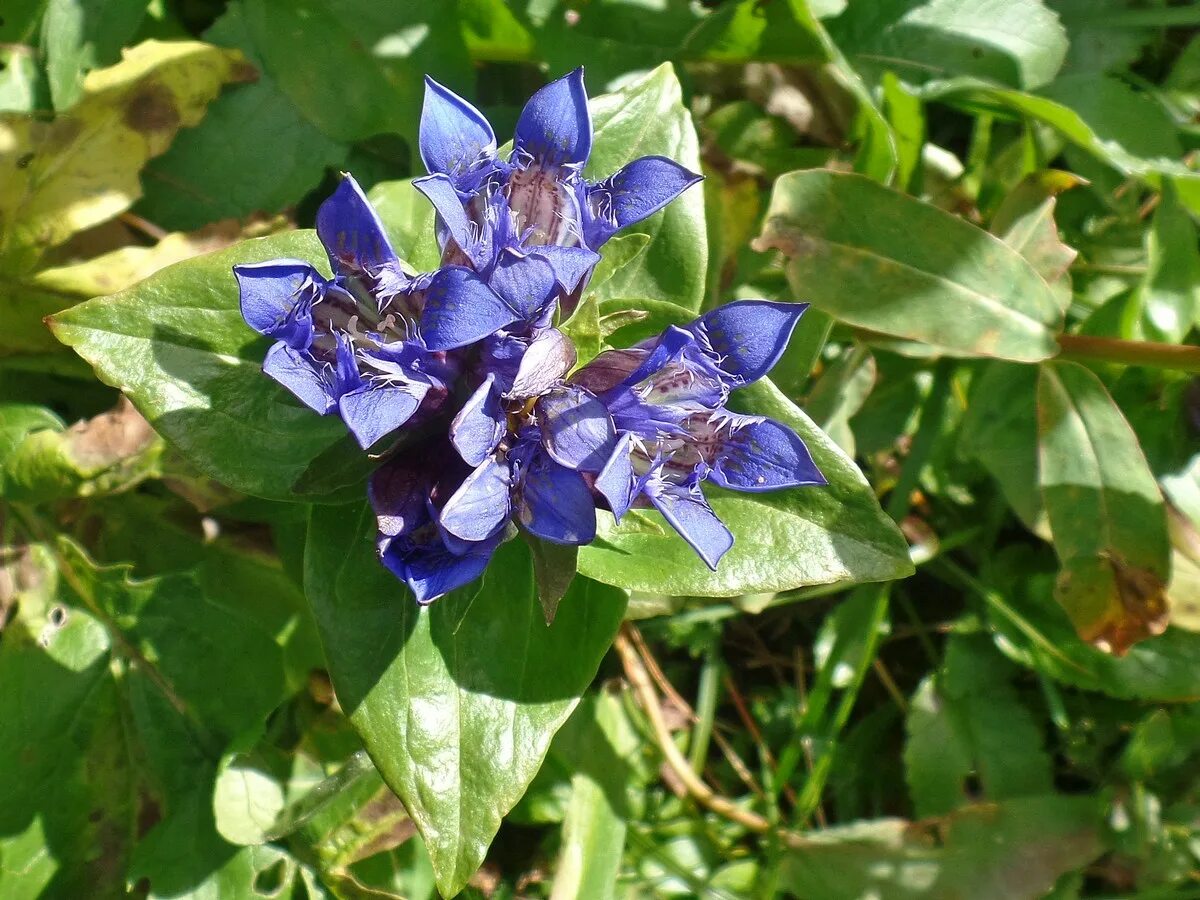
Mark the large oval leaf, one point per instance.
(177, 346)
(880, 260)
(648, 118)
(782, 540)
(1106, 513)
(457, 702)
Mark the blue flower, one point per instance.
(537, 202)
(407, 493)
(501, 432)
(651, 422)
(372, 343)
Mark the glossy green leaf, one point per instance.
(1017, 848)
(647, 117)
(782, 539)
(456, 702)
(176, 345)
(967, 722)
(880, 260)
(1106, 513)
(1019, 43)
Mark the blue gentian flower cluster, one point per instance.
(459, 381)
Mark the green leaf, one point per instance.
(246, 803)
(840, 393)
(254, 151)
(619, 252)
(25, 300)
(456, 702)
(1000, 431)
(614, 38)
(176, 345)
(647, 117)
(409, 220)
(81, 168)
(1033, 630)
(970, 721)
(1168, 297)
(993, 851)
(79, 36)
(17, 420)
(379, 49)
(877, 259)
(109, 453)
(782, 539)
(108, 714)
(1018, 43)
(1103, 116)
(604, 756)
(747, 31)
(554, 568)
(1106, 513)
(1025, 221)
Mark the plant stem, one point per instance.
(1081, 348)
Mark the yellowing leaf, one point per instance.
(77, 170)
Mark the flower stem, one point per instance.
(1081, 348)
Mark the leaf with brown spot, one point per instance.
(68, 173)
(882, 261)
(107, 454)
(1106, 513)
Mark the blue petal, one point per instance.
(294, 371)
(570, 264)
(375, 410)
(431, 570)
(748, 336)
(272, 301)
(555, 127)
(460, 309)
(397, 491)
(345, 375)
(689, 513)
(454, 134)
(577, 430)
(350, 229)
(762, 455)
(555, 503)
(440, 191)
(615, 481)
(638, 190)
(526, 283)
(481, 504)
(546, 361)
(477, 429)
